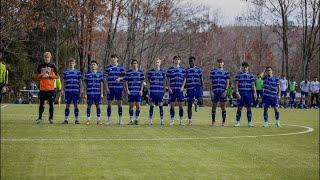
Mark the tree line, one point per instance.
(281, 33)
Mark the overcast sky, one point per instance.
(230, 8)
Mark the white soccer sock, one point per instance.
(120, 119)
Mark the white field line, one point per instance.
(308, 130)
(4, 106)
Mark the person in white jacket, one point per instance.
(283, 88)
(314, 89)
(304, 87)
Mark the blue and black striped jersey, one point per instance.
(245, 81)
(112, 73)
(72, 80)
(219, 79)
(93, 82)
(156, 78)
(134, 79)
(176, 76)
(270, 86)
(193, 76)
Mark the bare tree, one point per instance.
(257, 16)
(57, 28)
(281, 10)
(310, 12)
(114, 12)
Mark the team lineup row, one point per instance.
(114, 80)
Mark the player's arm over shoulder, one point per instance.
(53, 74)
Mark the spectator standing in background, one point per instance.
(305, 87)
(292, 90)
(283, 88)
(259, 89)
(314, 88)
(3, 78)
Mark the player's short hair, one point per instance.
(72, 60)
(93, 61)
(220, 60)
(176, 57)
(268, 67)
(245, 64)
(114, 56)
(47, 54)
(134, 60)
(314, 77)
(192, 58)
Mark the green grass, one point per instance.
(276, 157)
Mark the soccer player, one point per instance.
(3, 77)
(46, 73)
(94, 90)
(57, 89)
(114, 74)
(71, 78)
(246, 89)
(271, 95)
(292, 92)
(219, 79)
(304, 86)
(259, 89)
(314, 88)
(176, 80)
(156, 78)
(229, 93)
(283, 88)
(194, 83)
(134, 86)
(145, 94)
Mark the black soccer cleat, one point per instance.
(38, 121)
(64, 122)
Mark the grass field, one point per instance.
(44, 151)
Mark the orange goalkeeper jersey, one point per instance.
(46, 73)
